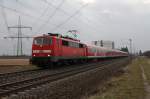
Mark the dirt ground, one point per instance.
(6, 62)
(13, 65)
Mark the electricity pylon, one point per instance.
(19, 36)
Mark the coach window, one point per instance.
(74, 44)
(70, 44)
(80, 45)
(65, 43)
(77, 45)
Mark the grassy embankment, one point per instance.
(145, 62)
(127, 86)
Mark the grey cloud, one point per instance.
(116, 20)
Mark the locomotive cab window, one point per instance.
(46, 41)
(38, 41)
(42, 41)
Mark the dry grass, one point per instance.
(128, 86)
(6, 62)
(13, 65)
(145, 62)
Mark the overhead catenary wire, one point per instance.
(60, 9)
(22, 13)
(4, 16)
(37, 18)
(54, 6)
(52, 14)
(15, 10)
(43, 13)
(66, 13)
(70, 17)
(23, 5)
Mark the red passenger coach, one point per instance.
(102, 52)
(96, 52)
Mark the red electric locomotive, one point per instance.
(52, 48)
(55, 48)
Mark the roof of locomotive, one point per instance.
(59, 36)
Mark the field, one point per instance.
(7, 62)
(133, 84)
(13, 65)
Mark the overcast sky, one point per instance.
(115, 20)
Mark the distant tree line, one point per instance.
(125, 49)
(147, 53)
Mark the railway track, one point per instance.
(15, 76)
(21, 75)
(40, 77)
(28, 74)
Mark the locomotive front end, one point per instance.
(42, 50)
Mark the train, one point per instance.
(52, 48)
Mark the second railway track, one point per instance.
(45, 76)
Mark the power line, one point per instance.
(23, 5)
(63, 11)
(66, 13)
(22, 13)
(45, 10)
(25, 14)
(14, 10)
(38, 18)
(70, 17)
(4, 16)
(49, 3)
(53, 14)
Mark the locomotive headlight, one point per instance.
(48, 55)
